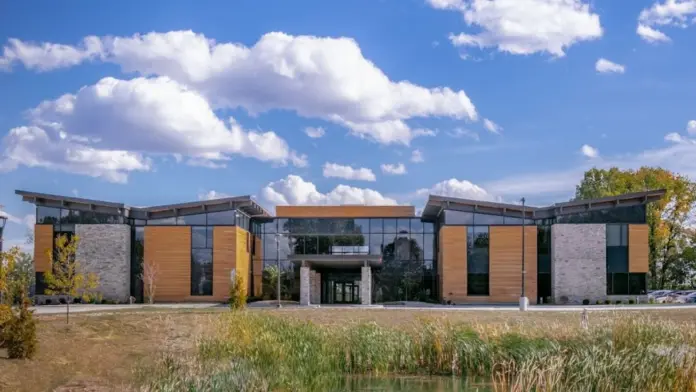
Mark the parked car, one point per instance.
(689, 298)
(658, 293)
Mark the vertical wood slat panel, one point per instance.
(638, 248)
(43, 243)
(257, 267)
(453, 263)
(224, 258)
(170, 248)
(243, 258)
(505, 257)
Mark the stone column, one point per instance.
(366, 285)
(315, 287)
(304, 285)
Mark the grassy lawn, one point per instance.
(100, 352)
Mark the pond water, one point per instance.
(409, 384)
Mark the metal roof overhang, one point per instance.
(242, 203)
(337, 261)
(436, 204)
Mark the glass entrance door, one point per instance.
(346, 293)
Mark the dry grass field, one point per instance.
(101, 352)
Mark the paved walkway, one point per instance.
(59, 309)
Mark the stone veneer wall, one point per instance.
(578, 263)
(105, 250)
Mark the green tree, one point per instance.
(667, 217)
(17, 324)
(66, 277)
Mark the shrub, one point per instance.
(19, 334)
(599, 302)
(618, 302)
(607, 302)
(631, 302)
(237, 293)
(585, 301)
(651, 300)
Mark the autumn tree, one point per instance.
(667, 218)
(66, 277)
(17, 324)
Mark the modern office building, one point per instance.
(457, 251)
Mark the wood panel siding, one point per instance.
(505, 264)
(243, 257)
(638, 248)
(224, 259)
(43, 243)
(452, 266)
(257, 266)
(170, 248)
(345, 211)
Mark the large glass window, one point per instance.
(617, 259)
(47, 215)
(188, 220)
(487, 219)
(137, 261)
(162, 221)
(221, 218)
(201, 260)
(453, 217)
(477, 260)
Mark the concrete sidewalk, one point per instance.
(78, 308)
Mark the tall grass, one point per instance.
(252, 351)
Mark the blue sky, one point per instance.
(132, 101)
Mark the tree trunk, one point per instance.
(67, 314)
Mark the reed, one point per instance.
(253, 351)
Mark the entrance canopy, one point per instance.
(337, 261)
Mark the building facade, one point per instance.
(457, 251)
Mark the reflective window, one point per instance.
(270, 227)
(376, 244)
(199, 236)
(283, 225)
(402, 247)
(270, 248)
(453, 217)
(389, 226)
(362, 226)
(188, 220)
(429, 246)
(416, 226)
(201, 272)
(511, 220)
(221, 217)
(376, 226)
(486, 219)
(162, 221)
(286, 246)
(637, 284)
(477, 260)
(47, 215)
(325, 244)
(403, 225)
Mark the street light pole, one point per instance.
(3, 220)
(524, 302)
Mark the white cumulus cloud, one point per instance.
(462, 189)
(691, 127)
(393, 169)
(105, 130)
(524, 26)
(211, 195)
(605, 66)
(314, 132)
(348, 173)
(491, 126)
(665, 13)
(417, 156)
(294, 190)
(316, 77)
(589, 151)
(48, 56)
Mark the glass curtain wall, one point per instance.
(407, 247)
